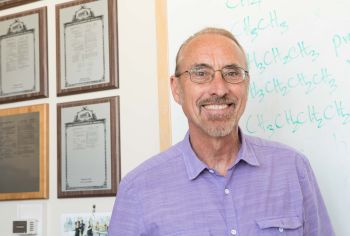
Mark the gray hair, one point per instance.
(209, 30)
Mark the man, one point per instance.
(218, 181)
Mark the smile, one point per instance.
(216, 106)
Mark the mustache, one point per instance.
(216, 100)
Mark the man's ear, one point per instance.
(175, 88)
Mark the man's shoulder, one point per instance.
(263, 143)
(272, 153)
(270, 148)
(155, 166)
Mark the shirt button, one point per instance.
(227, 191)
(233, 232)
(211, 171)
(280, 229)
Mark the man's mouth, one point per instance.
(216, 106)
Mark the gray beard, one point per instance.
(219, 131)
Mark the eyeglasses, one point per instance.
(201, 74)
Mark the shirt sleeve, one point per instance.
(316, 219)
(126, 217)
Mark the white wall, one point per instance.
(138, 93)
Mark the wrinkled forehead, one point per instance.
(211, 49)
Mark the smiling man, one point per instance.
(218, 181)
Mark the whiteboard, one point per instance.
(299, 62)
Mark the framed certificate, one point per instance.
(24, 161)
(13, 3)
(23, 56)
(86, 46)
(88, 148)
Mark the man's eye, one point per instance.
(232, 73)
(201, 73)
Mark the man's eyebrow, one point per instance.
(205, 65)
(231, 66)
(201, 65)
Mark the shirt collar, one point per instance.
(246, 152)
(194, 166)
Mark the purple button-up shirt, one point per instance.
(269, 190)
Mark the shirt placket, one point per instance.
(229, 205)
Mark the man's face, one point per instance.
(212, 108)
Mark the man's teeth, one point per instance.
(216, 107)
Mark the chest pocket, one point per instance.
(283, 226)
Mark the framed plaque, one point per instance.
(24, 151)
(88, 148)
(23, 56)
(13, 3)
(86, 46)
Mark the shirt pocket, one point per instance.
(288, 226)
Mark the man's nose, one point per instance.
(218, 85)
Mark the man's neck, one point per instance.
(219, 153)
